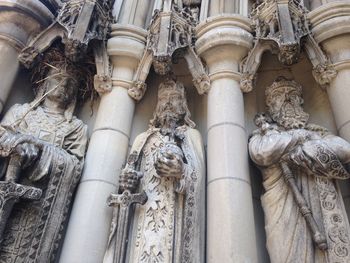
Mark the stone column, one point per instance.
(89, 223)
(331, 29)
(20, 21)
(222, 42)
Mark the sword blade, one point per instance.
(121, 234)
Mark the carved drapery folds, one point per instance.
(163, 178)
(299, 163)
(78, 24)
(171, 36)
(281, 26)
(42, 148)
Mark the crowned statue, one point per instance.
(305, 219)
(164, 176)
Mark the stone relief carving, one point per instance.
(42, 147)
(171, 36)
(164, 174)
(78, 23)
(282, 28)
(304, 213)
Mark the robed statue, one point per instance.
(164, 180)
(305, 219)
(42, 147)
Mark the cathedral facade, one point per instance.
(205, 131)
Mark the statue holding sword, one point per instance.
(164, 176)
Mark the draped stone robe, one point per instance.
(288, 236)
(169, 227)
(35, 228)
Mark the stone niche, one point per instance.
(316, 103)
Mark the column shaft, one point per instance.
(20, 21)
(339, 97)
(8, 70)
(231, 233)
(330, 27)
(89, 223)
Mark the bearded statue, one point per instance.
(166, 165)
(304, 211)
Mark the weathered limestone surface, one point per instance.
(42, 153)
(330, 26)
(88, 228)
(166, 165)
(224, 39)
(299, 162)
(228, 176)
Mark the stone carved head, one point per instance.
(57, 78)
(171, 106)
(59, 85)
(284, 102)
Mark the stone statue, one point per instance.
(305, 219)
(42, 147)
(165, 174)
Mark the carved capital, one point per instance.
(102, 84)
(137, 90)
(202, 84)
(324, 74)
(233, 30)
(247, 82)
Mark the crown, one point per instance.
(281, 82)
(170, 84)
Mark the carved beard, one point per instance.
(169, 121)
(291, 116)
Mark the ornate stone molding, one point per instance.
(126, 47)
(29, 16)
(329, 20)
(231, 35)
(281, 26)
(223, 30)
(34, 9)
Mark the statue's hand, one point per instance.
(169, 164)
(129, 179)
(9, 141)
(298, 157)
(28, 152)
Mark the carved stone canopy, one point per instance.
(78, 23)
(282, 27)
(171, 37)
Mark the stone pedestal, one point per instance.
(331, 28)
(222, 42)
(88, 228)
(20, 21)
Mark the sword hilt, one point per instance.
(14, 169)
(127, 198)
